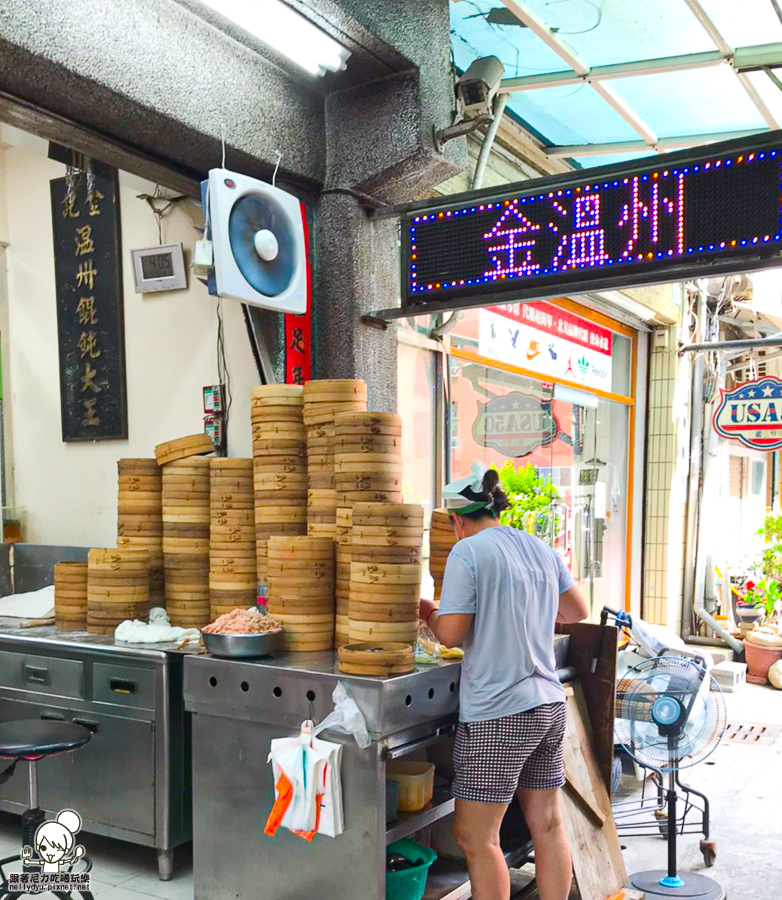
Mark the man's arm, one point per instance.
(450, 630)
(572, 607)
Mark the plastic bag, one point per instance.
(346, 718)
(427, 647)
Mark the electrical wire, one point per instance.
(589, 3)
(223, 372)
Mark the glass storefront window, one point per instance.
(578, 440)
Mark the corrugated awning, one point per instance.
(601, 81)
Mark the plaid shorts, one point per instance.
(493, 759)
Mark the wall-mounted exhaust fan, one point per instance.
(258, 250)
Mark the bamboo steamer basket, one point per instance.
(117, 587)
(441, 540)
(300, 577)
(402, 632)
(70, 596)
(377, 659)
(192, 445)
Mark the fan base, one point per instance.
(696, 887)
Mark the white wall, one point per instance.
(67, 492)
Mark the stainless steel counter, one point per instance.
(132, 780)
(239, 706)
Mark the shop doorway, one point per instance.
(564, 454)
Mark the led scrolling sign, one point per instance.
(621, 225)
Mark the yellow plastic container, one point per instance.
(415, 782)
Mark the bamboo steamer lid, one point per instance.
(263, 391)
(182, 448)
(145, 465)
(376, 659)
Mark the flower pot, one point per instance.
(748, 615)
(759, 660)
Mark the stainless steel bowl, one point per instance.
(242, 646)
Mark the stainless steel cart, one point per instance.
(240, 706)
(132, 781)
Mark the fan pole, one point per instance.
(672, 861)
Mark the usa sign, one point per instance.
(752, 414)
(516, 424)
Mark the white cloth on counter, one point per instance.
(30, 605)
(158, 630)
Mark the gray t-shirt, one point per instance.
(511, 582)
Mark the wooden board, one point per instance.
(598, 866)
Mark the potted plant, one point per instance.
(763, 644)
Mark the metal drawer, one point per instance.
(123, 686)
(42, 674)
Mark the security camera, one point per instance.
(475, 90)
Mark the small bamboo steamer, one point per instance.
(70, 595)
(384, 631)
(118, 560)
(274, 512)
(277, 390)
(288, 547)
(379, 513)
(362, 532)
(375, 612)
(264, 532)
(188, 465)
(348, 498)
(318, 386)
(378, 573)
(377, 659)
(227, 517)
(145, 465)
(321, 529)
(386, 555)
(300, 607)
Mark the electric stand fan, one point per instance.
(670, 715)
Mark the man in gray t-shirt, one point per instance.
(503, 592)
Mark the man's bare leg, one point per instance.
(553, 865)
(477, 830)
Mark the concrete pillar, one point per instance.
(356, 272)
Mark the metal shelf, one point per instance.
(442, 805)
(448, 878)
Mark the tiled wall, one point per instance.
(664, 507)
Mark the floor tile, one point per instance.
(122, 893)
(179, 888)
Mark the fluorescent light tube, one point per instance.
(282, 28)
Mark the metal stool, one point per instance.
(33, 740)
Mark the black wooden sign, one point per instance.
(90, 324)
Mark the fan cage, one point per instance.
(689, 682)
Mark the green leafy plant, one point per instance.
(772, 552)
(531, 496)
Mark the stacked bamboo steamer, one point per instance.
(344, 540)
(117, 588)
(233, 570)
(441, 539)
(367, 458)
(280, 465)
(70, 596)
(301, 591)
(323, 402)
(186, 519)
(385, 572)
(140, 517)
